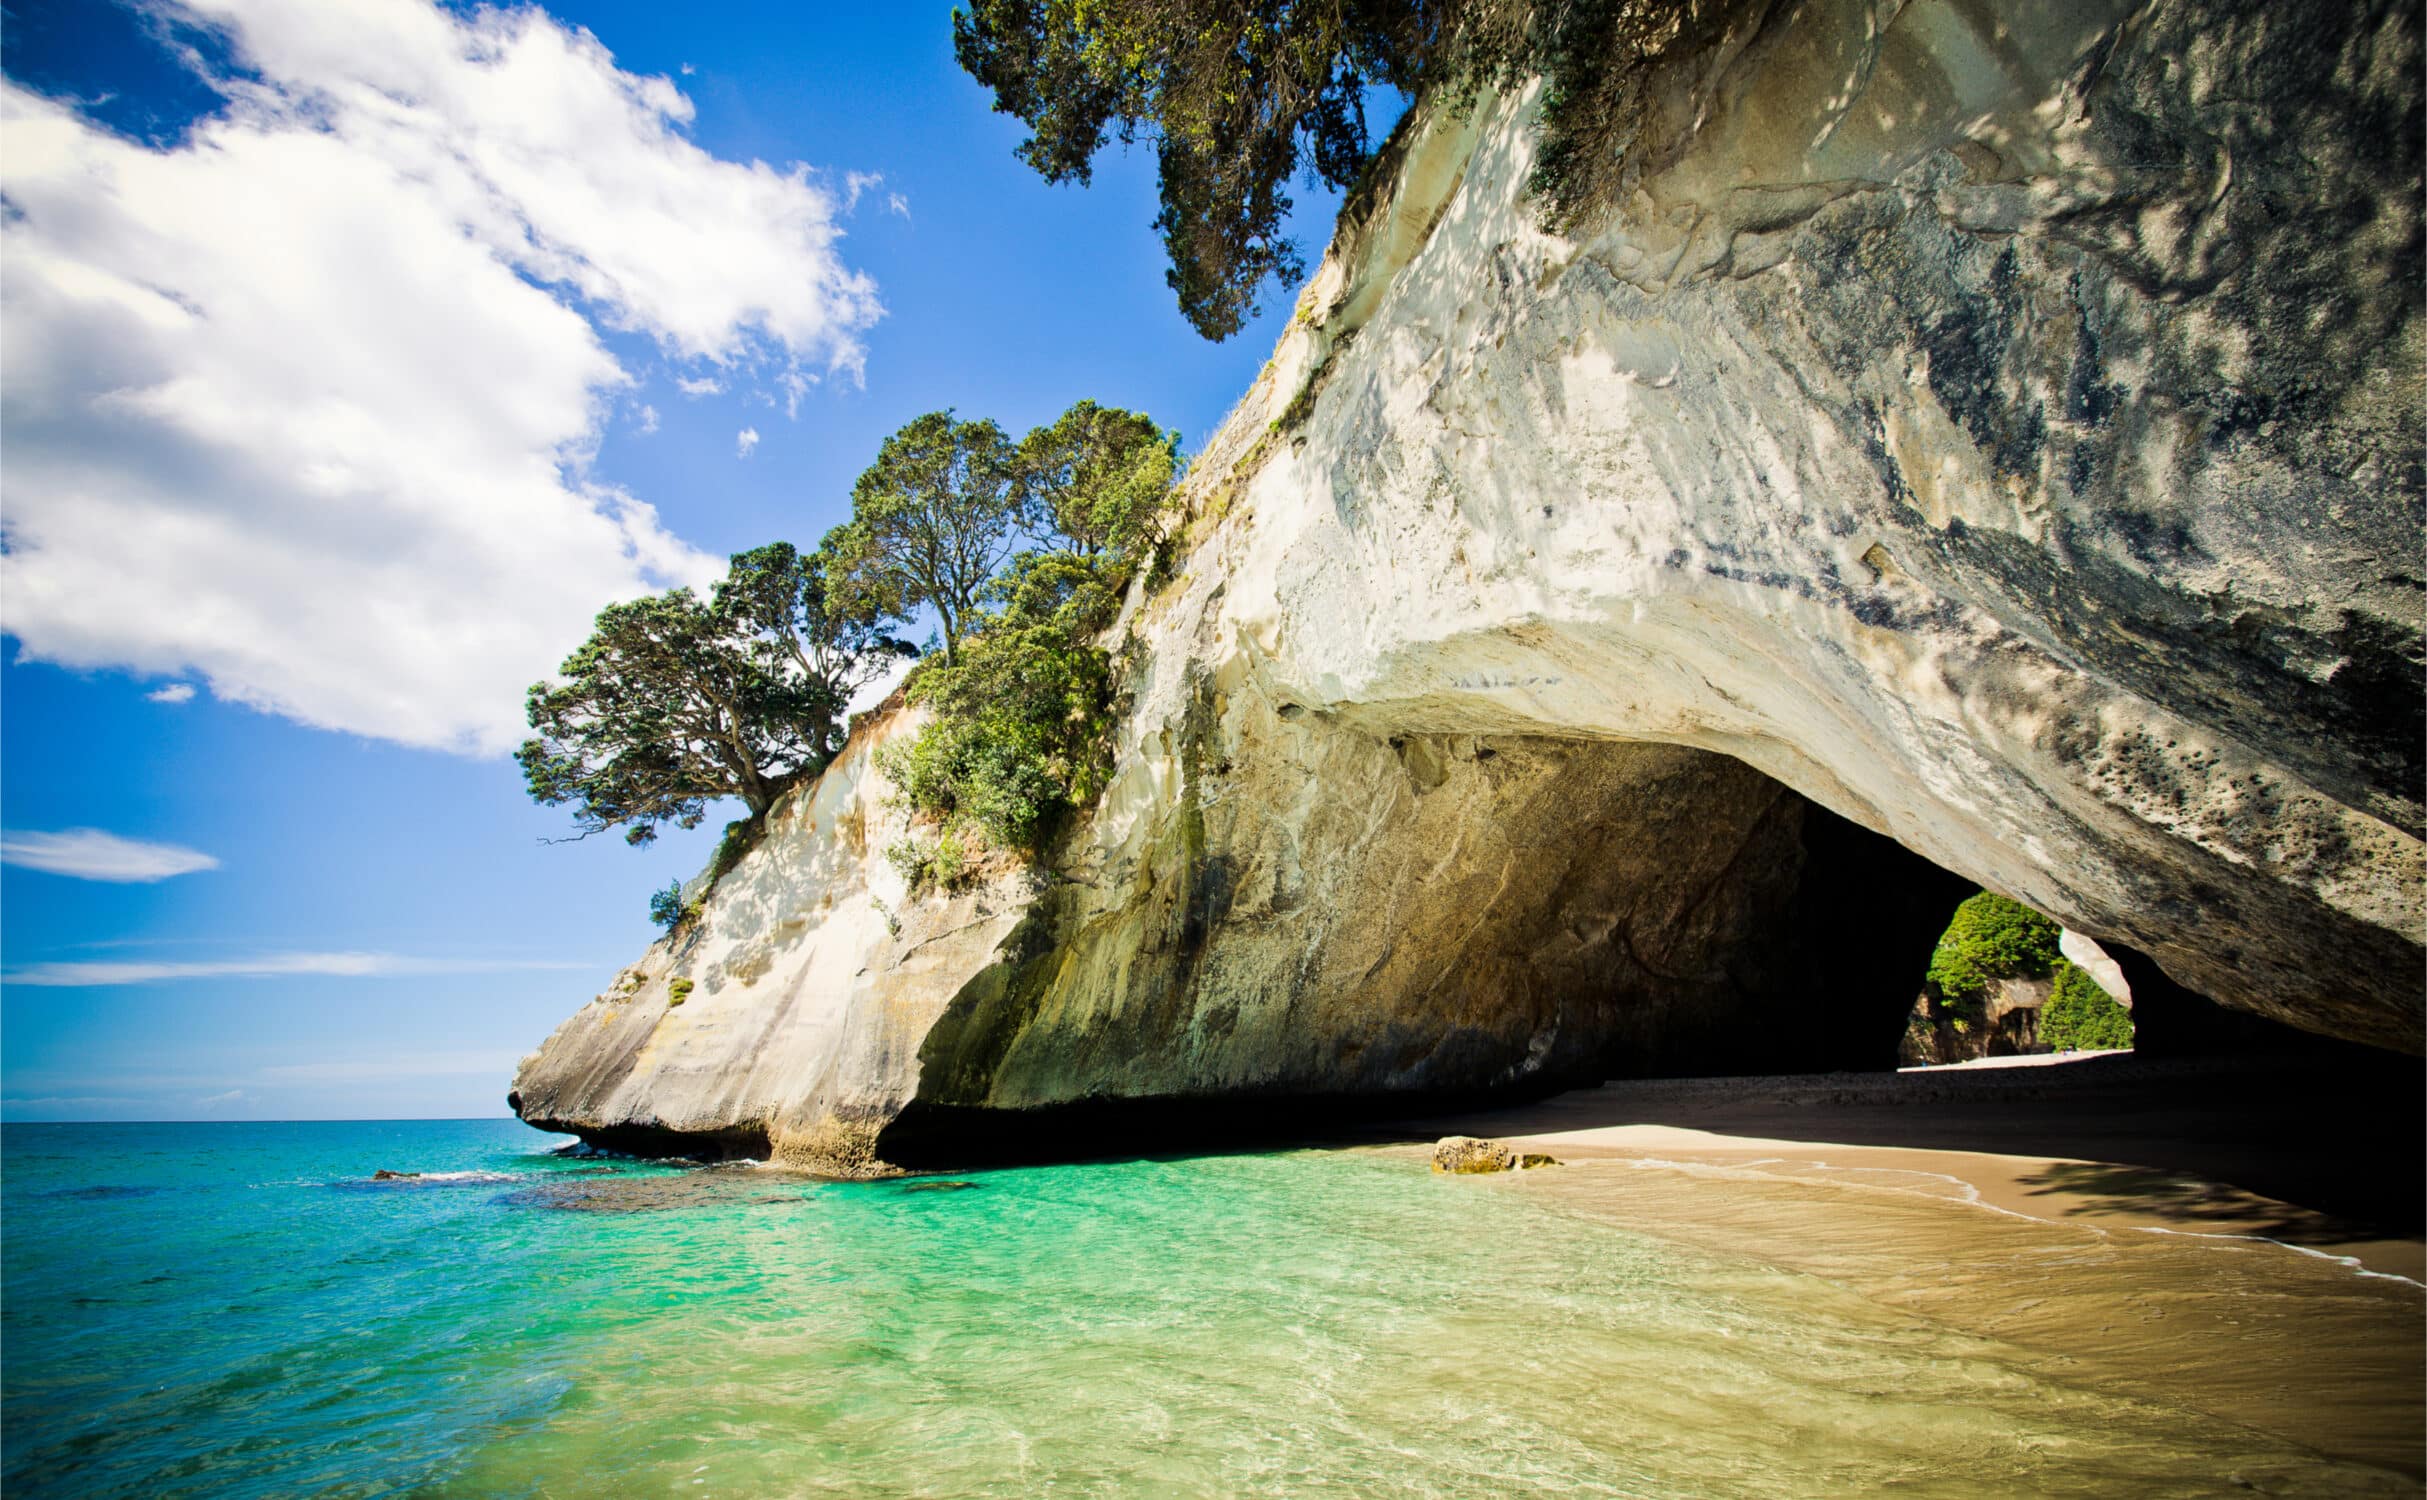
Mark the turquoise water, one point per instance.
(235, 1310)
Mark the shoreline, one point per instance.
(2294, 1152)
(2151, 1267)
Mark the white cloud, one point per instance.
(85, 975)
(90, 854)
(704, 386)
(648, 420)
(896, 203)
(175, 692)
(744, 441)
(856, 183)
(303, 404)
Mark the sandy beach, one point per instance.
(2238, 1239)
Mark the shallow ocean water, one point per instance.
(237, 1310)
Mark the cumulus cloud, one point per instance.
(175, 692)
(90, 854)
(703, 386)
(744, 441)
(648, 420)
(303, 404)
(85, 975)
(896, 203)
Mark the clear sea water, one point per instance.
(235, 1310)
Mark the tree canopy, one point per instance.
(1021, 549)
(1098, 475)
(1022, 721)
(674, 702)
(932, 521)
(1236, 95)
(1992, 937)
(1239, 96)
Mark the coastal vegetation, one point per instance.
(1237, 98)
(1993, 937)
(675, 701)
(1021, 551)
(1022, 717)
(2082, 1017)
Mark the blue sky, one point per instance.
(342, 454)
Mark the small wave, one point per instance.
(388, 1179)
(2350, 1263)
(102, 1191)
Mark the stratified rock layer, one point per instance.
(1998, 429)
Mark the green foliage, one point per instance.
(675, 702)
(945, 861)
(932, 520)
(805, 627)
(1022, 716)
(1238, 96)
(666, 906)
(2082, 1017)
(1099, 475)
(741, 836)
(678, 991)
(1989, 938)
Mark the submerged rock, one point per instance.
(1982, 443)
(384, 1175)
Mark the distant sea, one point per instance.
(239, 1310)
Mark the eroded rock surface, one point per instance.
(1986, 430)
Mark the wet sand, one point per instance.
(2239, 1240)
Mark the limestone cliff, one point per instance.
(1994, 427)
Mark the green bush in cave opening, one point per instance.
(1991, 937)
(2082, 1017)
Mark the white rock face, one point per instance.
(2091, 959)
(1909, 436)
(1997, 424)
(813, 981)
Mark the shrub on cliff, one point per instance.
(1022, 700)
(1991, 937)
(2082, 1017)
(1020, 732)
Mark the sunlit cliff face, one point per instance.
(1998, 433)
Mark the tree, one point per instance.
(932, 520)
(673, 703)
(781, 601)
(1236, 95)
(1100, 474)
(1991, 937)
